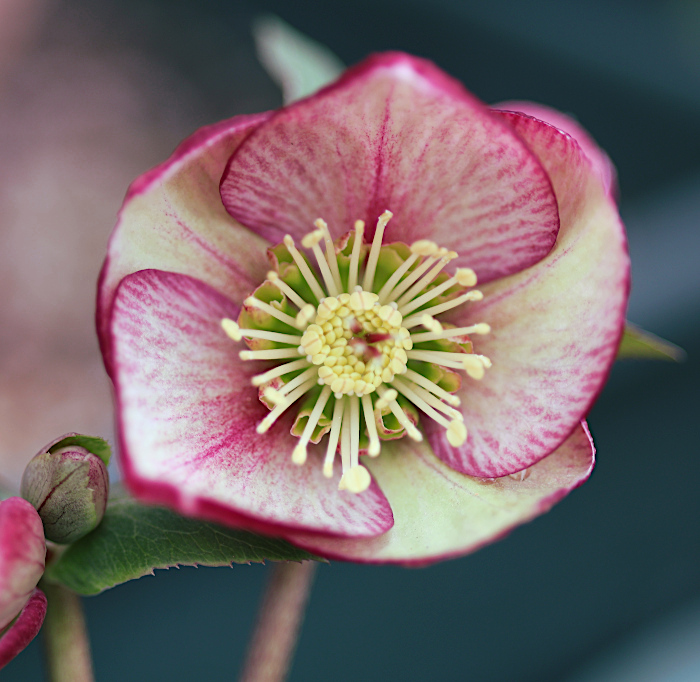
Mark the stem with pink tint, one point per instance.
(281, 614)
(66, 644)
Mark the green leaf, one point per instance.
(134, 539)
(97, 446)
(638, 344)
(299, 65)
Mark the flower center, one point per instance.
(361, 373)
(356, 342)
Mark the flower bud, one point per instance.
(69, 487)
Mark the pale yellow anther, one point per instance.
(355, 480)
(473, 366)
(312, 239)
(384, 401)
(355, 301)
(299, 454)
(424, 247)
(456, 433)
(481, 328)
(486, 362)
(466, 277)
(431, 324)
(274, 396)
(232, 330)
(305, 315)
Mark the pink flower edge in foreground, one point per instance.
(22, 562)
(517, 199)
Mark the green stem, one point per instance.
(281, 613)
(66, 644)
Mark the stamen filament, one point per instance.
(277, 411)
(401, 416)
(354, 431)
(297, 380)
(234, 332)
(462, 278)
(280, 370)
(333, 438)
(310, 241)
(473, 295)
(432, 400)
(432, 387)
(396, 276)
(424, 281)
(272, 354)
(299, 453)
(481, 328)
(419, 402)
(355, 256)
(413, 276)
(345, 441)
(374, 445)
(270, 310)
(330, 252)
(304, 268)
(292, 295)
(368, 281)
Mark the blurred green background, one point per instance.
(607, 585)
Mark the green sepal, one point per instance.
(133, 540)
(97, 446)
(638, 344)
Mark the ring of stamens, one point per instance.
(358, 345)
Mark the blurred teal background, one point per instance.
(607, 585)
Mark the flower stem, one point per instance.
(66, 643)
(281, 613)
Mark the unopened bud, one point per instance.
(68, 485)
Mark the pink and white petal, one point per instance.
(172, 219)
(24, 629)
(397, 133)
(441, 513)
(188, 414)
(600, 160)
(22, 555)
(555, 328)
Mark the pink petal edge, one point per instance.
(442, 514)
(397, 133)
(602, 163)
(24, 629)
(187, 417)
(172, 219)
(555, 328)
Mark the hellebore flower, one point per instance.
(445, 414)
(22, 557)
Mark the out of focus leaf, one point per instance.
(299, 65)
(641, 345)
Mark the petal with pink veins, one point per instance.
(187, 418)
(555, 328)
(22, 555)
(441, 513)
(24, 629)
(173, 219)
(600, 160)
(397, 133)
